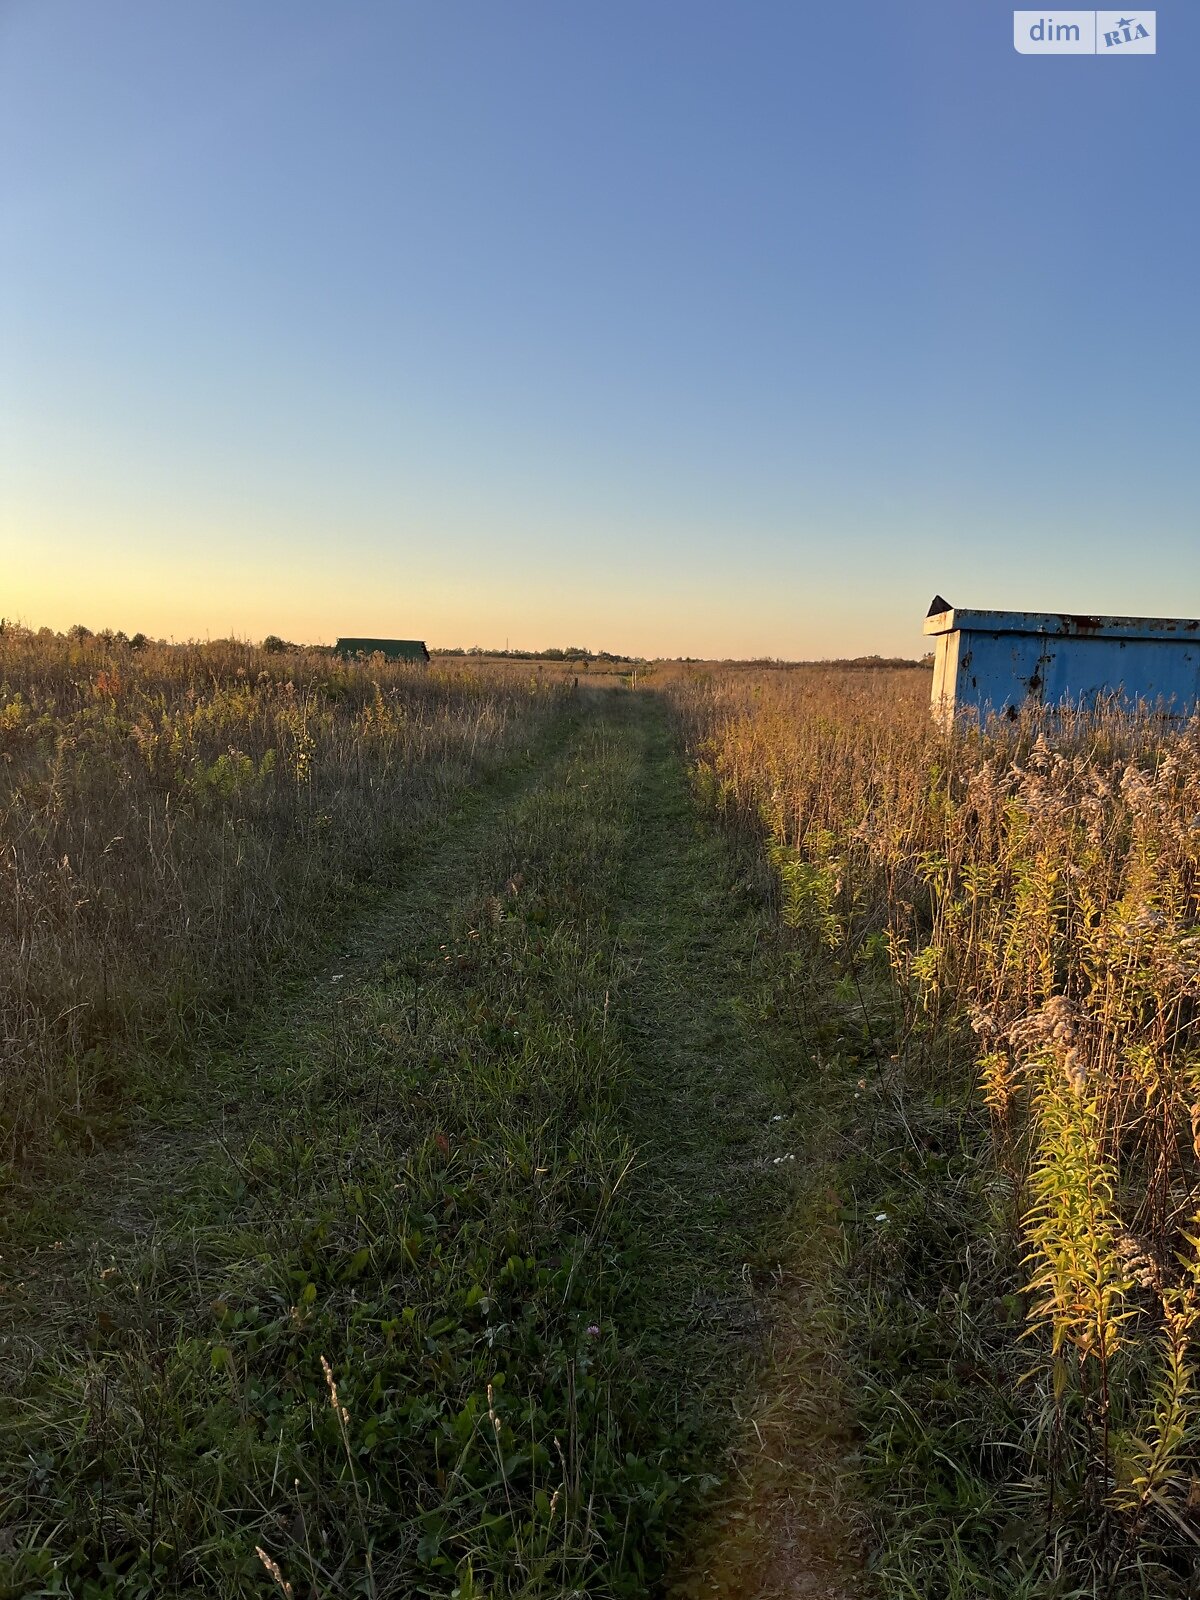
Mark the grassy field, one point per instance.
(439, 1256)
(469, 1133)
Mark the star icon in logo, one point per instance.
(1126, 22)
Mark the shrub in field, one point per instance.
(1038, 891)
(176, 820)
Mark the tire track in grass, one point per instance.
(741, 1339)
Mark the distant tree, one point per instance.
(79, 633)
(274, 645)
(138, 642)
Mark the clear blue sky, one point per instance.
(658, 325)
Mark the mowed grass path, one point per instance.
(464, 1272)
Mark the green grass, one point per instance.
(507, 1165)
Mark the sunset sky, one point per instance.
(652, 325)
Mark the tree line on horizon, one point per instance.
(274, 644)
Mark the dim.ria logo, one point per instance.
(1127, 31)
(1085, 33)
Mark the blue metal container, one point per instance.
(998, 662)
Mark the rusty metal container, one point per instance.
(997, 662)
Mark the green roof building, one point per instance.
(393, 649)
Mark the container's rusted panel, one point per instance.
(1062, 624)
(1000, 661)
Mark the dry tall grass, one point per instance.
(174, 820)
(1035, 892)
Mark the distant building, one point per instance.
(989, 662)
(393, 649)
